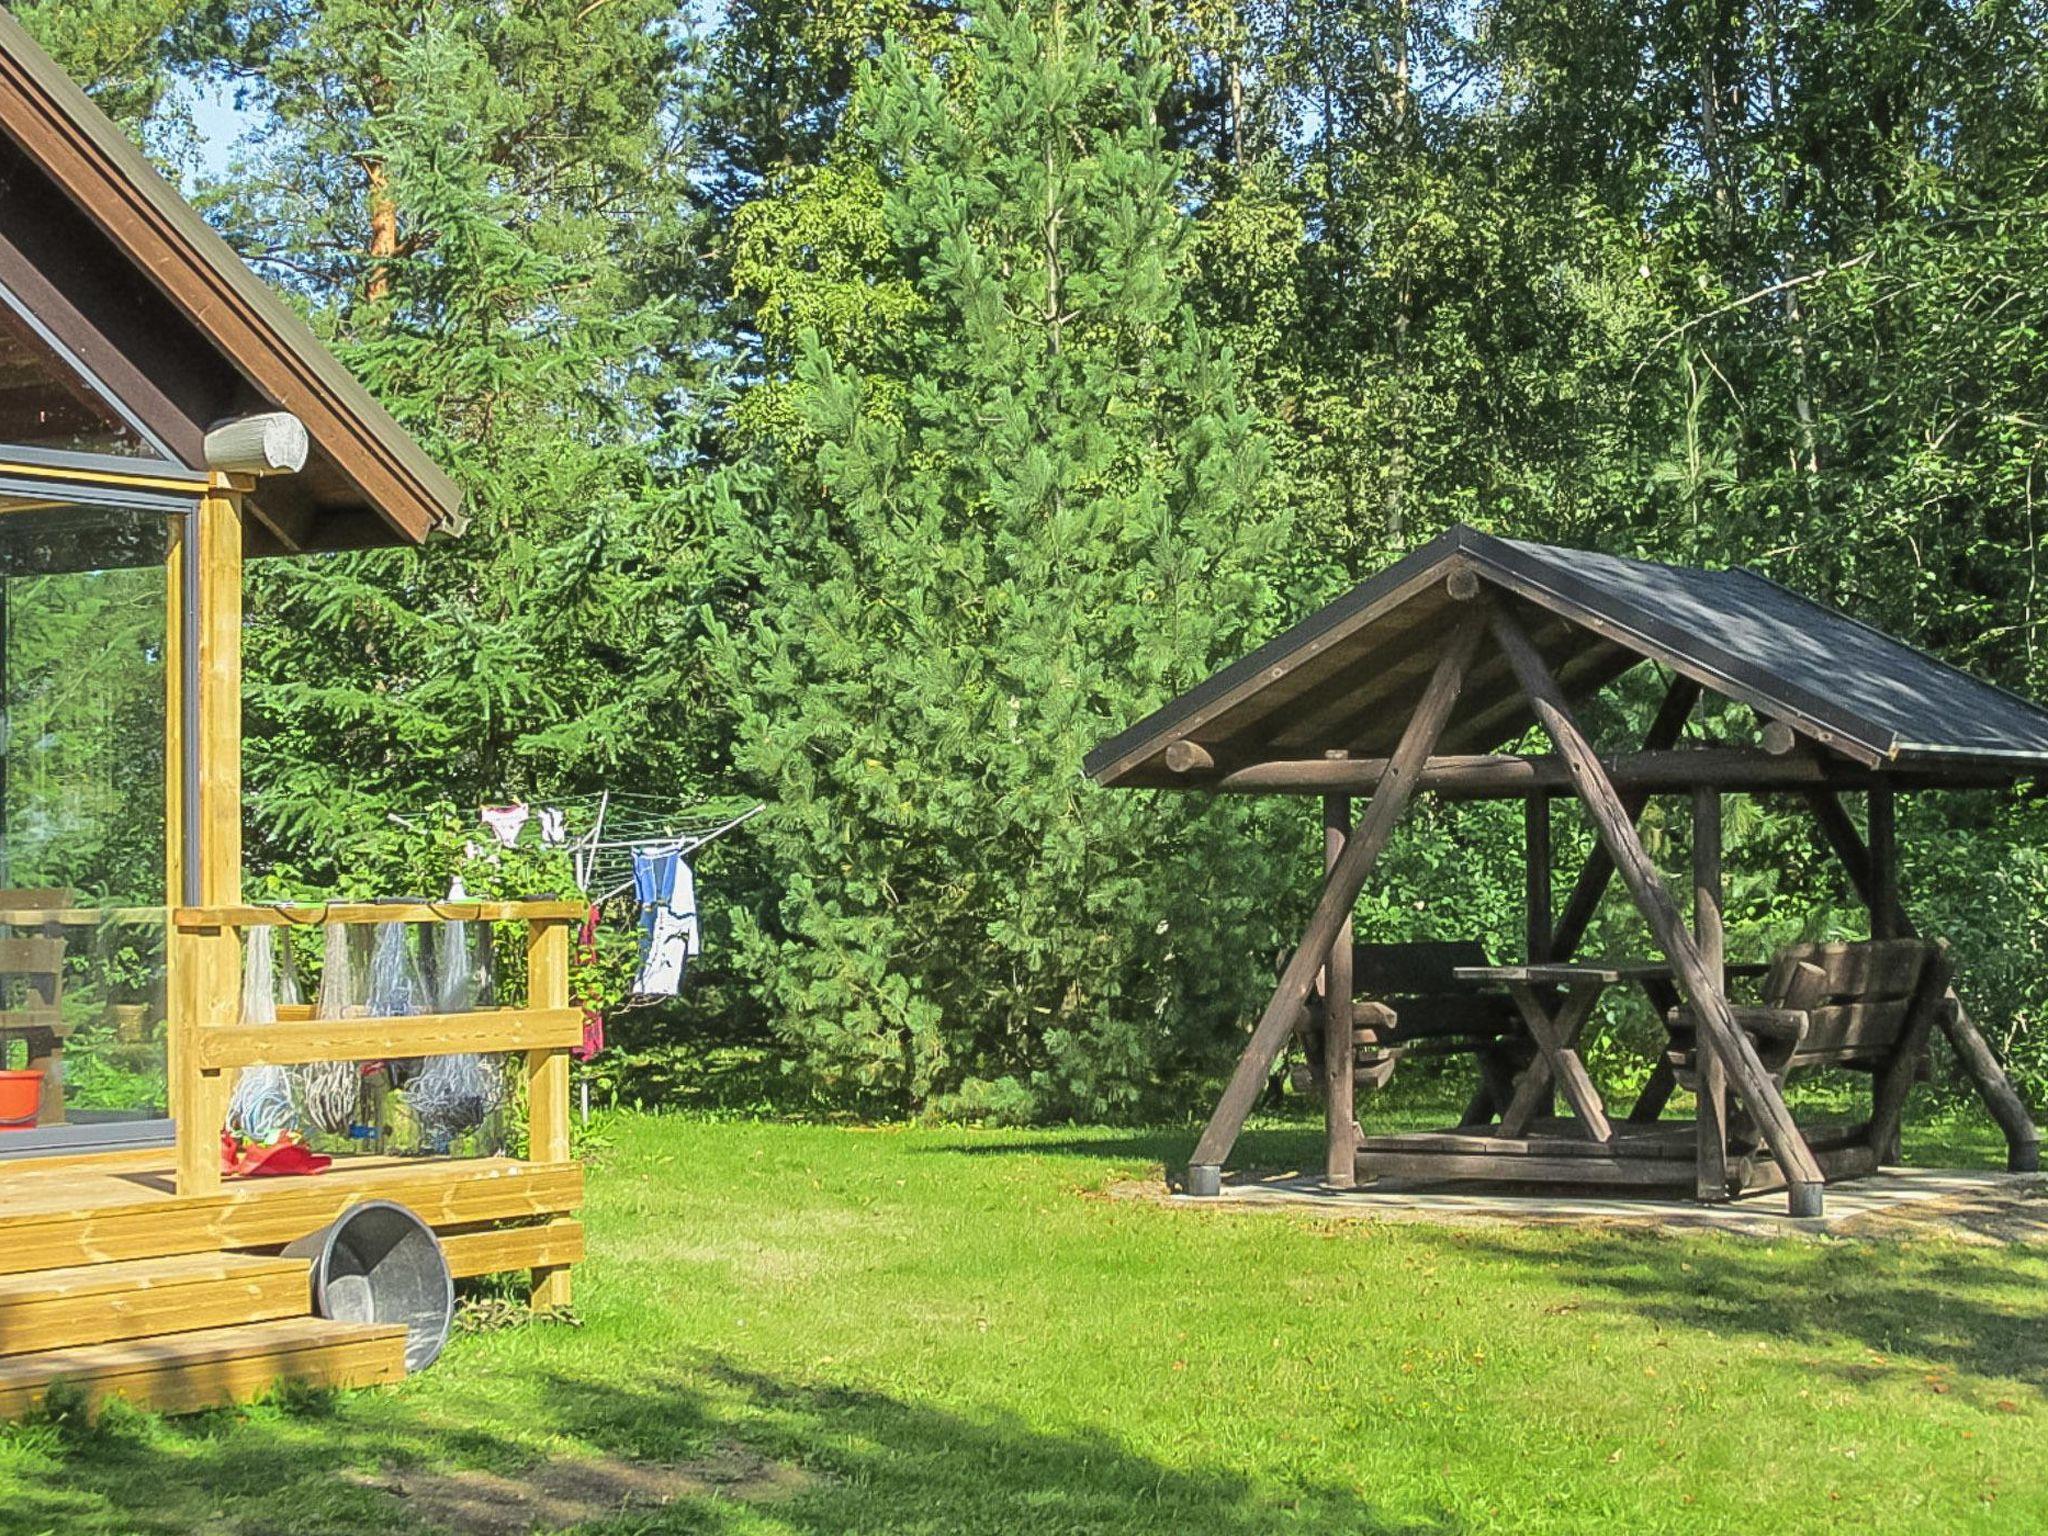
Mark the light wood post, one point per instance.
(1333, 909)
(547, 1080)
(1712, 1122)
(1340, 1055)
(205, 774)
(1705, 989)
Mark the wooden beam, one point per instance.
(1711, 1119)
(1188, 757)
(1498, 776)
(1704, 987)
(481, 1032)
(1340, 891)
(547, 1081)
(206, 739)
(1340, 1054)
(1979, 1062)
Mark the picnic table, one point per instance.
(1556, 1000)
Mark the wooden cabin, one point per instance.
(1427, 678)
(164, 419)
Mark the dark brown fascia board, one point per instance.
(75, 144)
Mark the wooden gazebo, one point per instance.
(1417, 679)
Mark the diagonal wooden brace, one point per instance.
(1333, 908)
(1716, 1021)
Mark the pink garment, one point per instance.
(505, 822)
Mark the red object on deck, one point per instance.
(246, 1160)
(21, 1100)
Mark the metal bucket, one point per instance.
(379, 1263)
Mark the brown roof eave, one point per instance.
(111, 181)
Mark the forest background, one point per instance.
(868, 405)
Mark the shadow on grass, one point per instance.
(1979, 1311)
(820, 1460)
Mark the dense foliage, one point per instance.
(873, 405)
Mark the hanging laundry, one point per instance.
(669, 937)
(554, 826)
(586, 955)
(505, 822)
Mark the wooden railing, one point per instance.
(209, 1041)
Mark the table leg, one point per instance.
(1557, 1061)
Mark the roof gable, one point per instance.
(1347, 677)
(201, 335)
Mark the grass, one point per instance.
(952, 1331)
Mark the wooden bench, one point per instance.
(1408, 1002)
(1866, 1006)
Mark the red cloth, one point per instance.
(246, 1160)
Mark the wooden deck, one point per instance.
(112, 1281)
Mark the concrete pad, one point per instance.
(1963, 1204)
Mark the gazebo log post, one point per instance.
(1711, 1119)
(1333, 908)
(1591, 885)
(1979, 1062)
(1340, 1055)
(1704, 987)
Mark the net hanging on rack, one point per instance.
(453, 1094)
(332, 1090)
(261, 1108)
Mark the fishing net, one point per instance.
(261, 1108)
(450, 1095)
(397, 989)
(331, 1091)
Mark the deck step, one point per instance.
(140, 1298)
(185, 1372)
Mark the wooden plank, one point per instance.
(101, 1303)
(1547, 1138)
(1710, 1120)
(1704, 986)
(1340, 892)
(302, 914)
(260, 1215)
(1979, 1062)
(498, 1250)
(482, 1031)
(181, 1373)
(1623, 1172)
(1340, 1055)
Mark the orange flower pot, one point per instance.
(21, 1100)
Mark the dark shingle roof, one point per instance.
(1347, 677)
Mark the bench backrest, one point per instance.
(1415, 980)
(1857, 996)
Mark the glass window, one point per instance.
(49, 405)
(83, 696)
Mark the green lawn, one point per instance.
(951, 1331)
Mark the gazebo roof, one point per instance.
(140, 289)
(1348, 677)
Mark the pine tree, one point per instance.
(1020, 516)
